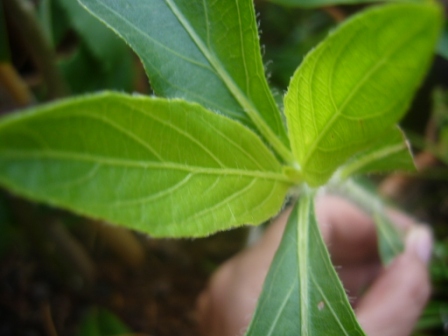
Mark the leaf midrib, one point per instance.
(144, 164)
(374, 156)
(302, 260)
(244, 101)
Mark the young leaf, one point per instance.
(203, 51)
(389, 153)
(357, 84)
(168, 168)
(302, 288)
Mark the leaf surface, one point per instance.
(168, 168)
(357, 84)
(302, 294)
(390, 153)
(202, 51)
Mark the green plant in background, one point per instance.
(215, 153)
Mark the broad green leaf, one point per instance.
(357, 84)
(202, 51)
(390, 241)
(168, 168)
(391, 152)
(302, 294)
(320, 3)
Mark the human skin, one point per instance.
(387, 300)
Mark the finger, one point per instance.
(349, 233)
(393, 304)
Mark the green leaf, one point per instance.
(390, 241)
(168, 168)
(390, 153)
(204, 51)
(101, 322)
(357, 84)
(320, 3)
(302, 294)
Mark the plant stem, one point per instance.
(15, 85)
(368, 201)
(122, 242)
(336, 13)
(22, 18)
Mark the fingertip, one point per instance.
(393, 304)
(419, 241)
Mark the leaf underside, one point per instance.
(302, 294)
(357, 84)
(202, 51)
(168, 168)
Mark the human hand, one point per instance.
(395, 297)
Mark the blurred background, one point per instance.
(65, 275)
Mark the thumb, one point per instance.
(394, 302)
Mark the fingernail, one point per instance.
(419, 241)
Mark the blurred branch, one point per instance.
(73, 251)
(336, 13)
(122, 242)
(23, 20)
(15, 85)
